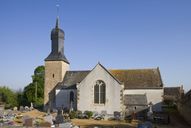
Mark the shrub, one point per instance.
(73, 114)
(88, 113)
(79, 114)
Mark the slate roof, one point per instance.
(139, 78)
(172, 91)
(135, 100)
(132, 79)
(57, 37)
(72, 78)
(56, 56)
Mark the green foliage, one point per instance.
(20, 98)
(34, 92)
(38, 78)
(11, 98)
(78, 112)
(8, 97)
(73, 114)
(88, 113)
(29, 92)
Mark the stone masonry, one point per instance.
(54, 73)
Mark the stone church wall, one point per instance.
(54, 73)
(184, 107)
(185, 111)
(86, 92)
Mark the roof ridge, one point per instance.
(133, 69)
(79, 71)
(173, 87)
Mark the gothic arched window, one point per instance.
(99, 92)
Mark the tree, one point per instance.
(34, 92)
(20, 98)
(8, 97)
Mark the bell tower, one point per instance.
(56, 66)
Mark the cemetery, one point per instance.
(26, 116)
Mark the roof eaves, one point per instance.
(160, 77)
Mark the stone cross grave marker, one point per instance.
(59, 117)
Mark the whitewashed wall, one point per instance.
(86, 92)
(63, 98)
(153, 95)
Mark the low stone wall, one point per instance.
(185, 111)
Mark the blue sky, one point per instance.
(121, 34)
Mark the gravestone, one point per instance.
(21, 108)
(150, 112)
(25, 118)
(15, 109)
(117, 115)
(145, 125)
(65, 125)
(49, 119)
(45, 124)
(1, 113)
(104, 113)
(2, 106)
(59, 117)
(31, 107)
(26, 108)
(28, 122)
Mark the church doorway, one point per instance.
(71, 96)
(71, 101)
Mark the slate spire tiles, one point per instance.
(57, 38)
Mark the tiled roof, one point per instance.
(139, 78)
(132, 79)
(72, 78)
(172, 91)
(135, 99)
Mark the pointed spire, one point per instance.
(57, 18)
(57, 22)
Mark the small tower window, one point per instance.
(53, 75)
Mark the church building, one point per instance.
(98, 89)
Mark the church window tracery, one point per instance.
(99, 92)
